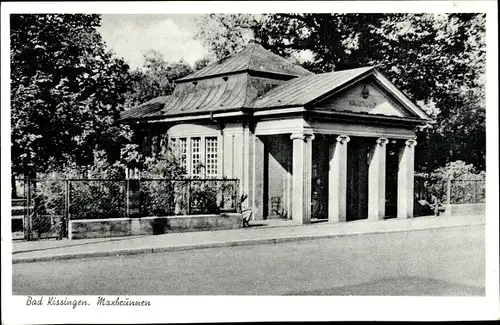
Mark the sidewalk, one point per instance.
(260, 232)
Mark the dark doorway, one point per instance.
(357, 178)
(319, 181)
(391, 180)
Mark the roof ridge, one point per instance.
(337, 71)
(251, 55)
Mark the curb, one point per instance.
(222, 244)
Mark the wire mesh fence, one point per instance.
(46, 205)
(453, 191)
(46, 208)
(467, 191)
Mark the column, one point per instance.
(376, 180)
(258, 177)
(337, 180)
(245, 166)
(301, 179)
(405, 179)
(289, 188)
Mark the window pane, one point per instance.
(183, 152)
(196, 156)
(211, 157)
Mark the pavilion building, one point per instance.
(337, 146)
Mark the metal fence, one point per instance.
(187, 196)
(452, 191)
(43, 207)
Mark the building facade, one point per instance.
(337, 146)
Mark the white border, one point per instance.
(255, 7)
(266, 308)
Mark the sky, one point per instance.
(130, 36)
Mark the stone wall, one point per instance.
(465, 209)
(120, 227)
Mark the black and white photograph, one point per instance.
(279, 161)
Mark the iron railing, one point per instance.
(47, 204)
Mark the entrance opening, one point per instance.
(319, 181)
(277, 173)
(357, 178)
(391, 174)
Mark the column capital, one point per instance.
(343, 139)
(302, 136)
(382, 141)
(411, 143)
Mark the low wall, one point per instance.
(118, 227)
(465, 209)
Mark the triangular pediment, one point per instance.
(364, 97)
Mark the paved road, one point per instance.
(446, 261)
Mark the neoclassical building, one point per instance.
(337, 146)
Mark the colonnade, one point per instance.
(337, 178)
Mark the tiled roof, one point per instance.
(300, 91)
(253, 58)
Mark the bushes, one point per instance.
(204, 198)
(95, 199)
(176, 197)
(160, 198)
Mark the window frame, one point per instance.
(187, 156)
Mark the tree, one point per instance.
(331, 37)
(66, 91)
(438, 60)
(225, 35)
(156, 78)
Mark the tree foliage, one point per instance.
(203, 62)
(66, 91)
(155, 78)
(225, 35)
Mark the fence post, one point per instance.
(474, 192)
(27, 215)
(65, 221)
(31, 209)
(134, 204)
(237, 196)
(222, 188)
(127, 197)
(188, 197)
(448, 196)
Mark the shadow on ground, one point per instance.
(403, 286)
